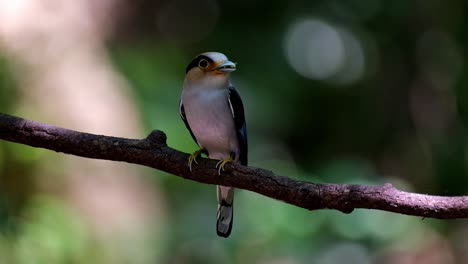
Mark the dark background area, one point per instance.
(335, 91)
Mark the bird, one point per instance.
(213, 112)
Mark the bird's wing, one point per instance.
(182, 115)
(237, 109)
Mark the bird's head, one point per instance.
(212, 65)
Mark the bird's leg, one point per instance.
(220, 165)
(193, 158)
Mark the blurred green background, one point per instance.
(356, 91)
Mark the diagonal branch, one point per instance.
(154, 152)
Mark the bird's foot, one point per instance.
(193, 158)
(220, 165)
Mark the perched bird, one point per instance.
(213, 112)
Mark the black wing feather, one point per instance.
(235, 102)
(182, 115)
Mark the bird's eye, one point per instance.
(203, 64)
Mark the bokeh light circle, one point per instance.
(319, 50)
(314, 49)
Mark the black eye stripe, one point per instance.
(195, 62)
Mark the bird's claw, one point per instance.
(220, 165)
(193, 158)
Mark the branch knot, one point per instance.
(157, 138)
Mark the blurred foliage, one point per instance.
(7, 84)
(401, 120)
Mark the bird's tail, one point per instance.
(225, 210)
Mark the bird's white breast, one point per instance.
(209, 116)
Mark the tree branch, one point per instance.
(154, 152)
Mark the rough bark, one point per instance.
(154, 152)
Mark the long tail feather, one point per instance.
(225, 210)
